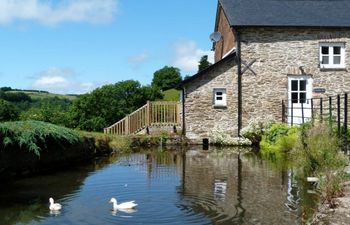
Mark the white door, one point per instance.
(299, 99)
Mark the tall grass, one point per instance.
(314, 150)
(319, 154)
(114, 142)
(34, 135)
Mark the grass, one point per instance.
(171, 95)
(117, 143)
(42, 95)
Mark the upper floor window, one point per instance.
(220, 97)
(332, 55)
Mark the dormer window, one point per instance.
(220, 97)
(332, 55)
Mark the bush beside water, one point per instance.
(33, 146)
(34, 135)
(315, 150)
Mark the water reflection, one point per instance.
(128, 211)
(219, 186)
(233, 188)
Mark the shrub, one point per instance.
(8, 111)
(279, 138)
(224, 139)
(256, 128)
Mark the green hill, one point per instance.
(43, 95)
(171, 95)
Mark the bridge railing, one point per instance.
(151, 114)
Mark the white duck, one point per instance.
(54, 206)
(121, 206)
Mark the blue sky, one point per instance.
(74, 46)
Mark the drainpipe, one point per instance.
(183, 112)
(239, 80)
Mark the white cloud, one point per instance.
(138, 58)
(61, 80)
(55, 12)
(187, 55)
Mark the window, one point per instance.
(298, 91)
(332, 55)
(220, 97)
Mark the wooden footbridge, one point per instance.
(153, 114)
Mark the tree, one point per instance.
(203, 63)
(110, 103)
(166, 78)
(8, 111)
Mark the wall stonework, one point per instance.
(202, 118)
(279, 53)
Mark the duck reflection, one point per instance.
(128, 211)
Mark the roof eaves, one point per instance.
(287, 26)
(230, 56)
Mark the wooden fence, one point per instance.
(151, 114)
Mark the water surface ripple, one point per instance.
(171, 187)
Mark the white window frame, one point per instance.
(220, 93)
(331, 56)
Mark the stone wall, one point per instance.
(202, 118)
(280, 52)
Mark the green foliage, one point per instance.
(166, 78)
(187, 77)
(14, 96)
(52, 110)
(34, 135)
(8, 111)
(96, 123)
(203, 63)
(110, 103)
(278, 140)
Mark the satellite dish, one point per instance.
(215, 37)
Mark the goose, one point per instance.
(124, 205)
(54, 206)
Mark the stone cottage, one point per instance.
(267, 51)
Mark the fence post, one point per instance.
(127, 126)
(346, 118)
(312, 111)
(330, 111)
(291, 113)
(302, 113)
(338, 114)
(149, 112)
(321, 109)
(283, 111)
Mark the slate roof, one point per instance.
(287, 13)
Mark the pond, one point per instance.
(219, 186)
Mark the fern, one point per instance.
(30, 135)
